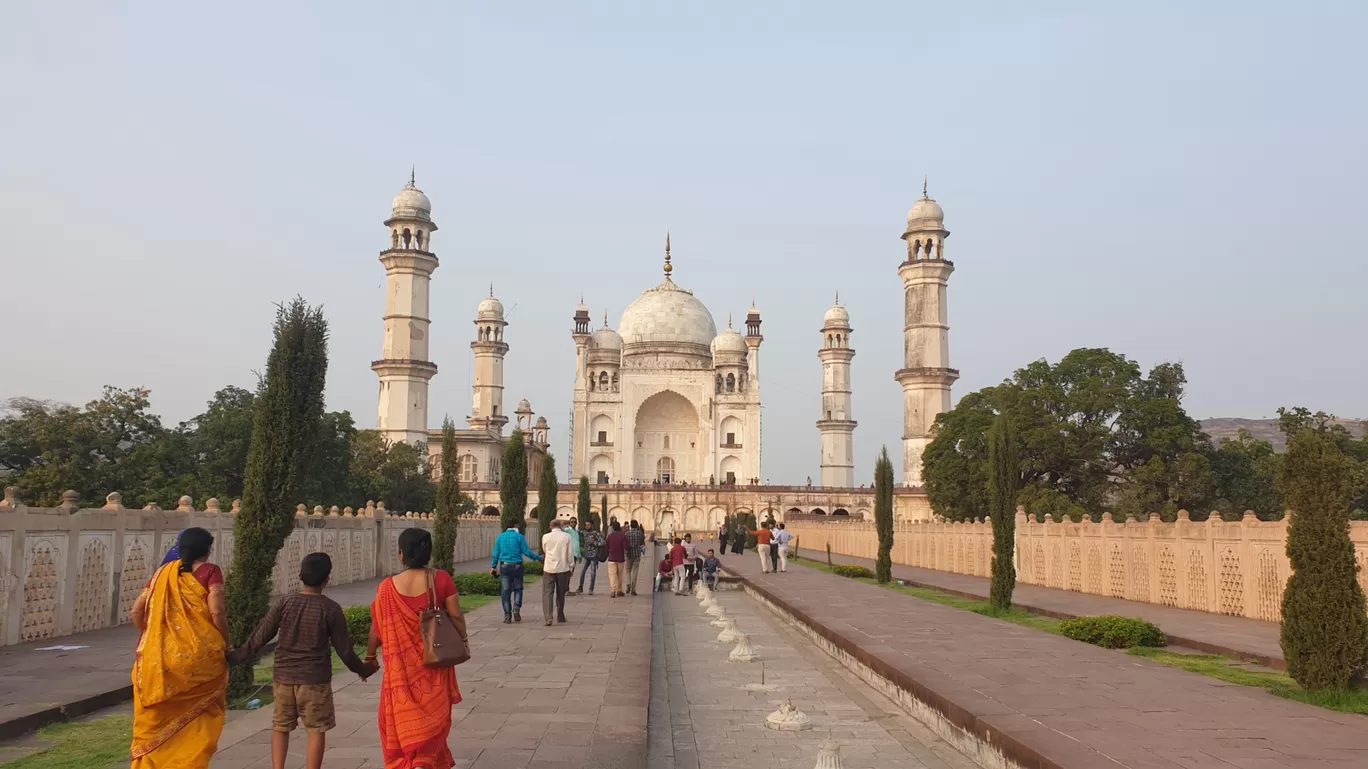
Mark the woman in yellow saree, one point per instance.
(180, 676)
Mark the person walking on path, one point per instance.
(636, 547)
(572, 529)
(677, 556)
(739, 539)
(556, 570)
(311, 625)
(180, 669)
(723, 534)
(774, 546)
(506, 563)
(591, 542)
(691, 561)
(415, 700)
(782, 539)
(762, 546)
(617, 559)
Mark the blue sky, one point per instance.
(1174, 181)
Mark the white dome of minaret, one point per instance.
(925, 213)
(490, 308)
(837, 315)
(411, 202)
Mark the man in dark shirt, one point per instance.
(636, 547)
(310, 625)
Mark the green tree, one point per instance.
(603, 515)
(1002, 494)
(1089, 429)
(1246, 473)
(219, 440)
(583, 508)
(547, 489)
(1325, 623)
(285, 428)
(445, 524)
(329, 481)
(395, 473)
(883, 515)
(513, 483)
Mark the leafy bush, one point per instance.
(532, 568)
(1112, 632)
(854, 572)
(479, 583)
(358, 624)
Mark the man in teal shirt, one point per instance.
(506, 563)
(573, 531)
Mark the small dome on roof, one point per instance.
(606, 339)
(411, 203)
(490, 308)
(925, 212)
(524, 407)
(836, 316)
(729, 341)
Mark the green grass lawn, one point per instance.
(1210, 665)
(98, 744)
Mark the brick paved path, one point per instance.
(569, 696)
(1216, 633)
(709, 713)
(1053, 702)
(36, 687)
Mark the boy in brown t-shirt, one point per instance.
(311, 625)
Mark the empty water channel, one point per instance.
(709, 711)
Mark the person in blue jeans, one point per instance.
(506, 563)
(590, 542)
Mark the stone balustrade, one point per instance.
(1225, 567)
(68, 569)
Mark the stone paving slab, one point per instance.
(569, 696)
(1049, 702)
(40, 687)
(715, 709)
(1203, 631)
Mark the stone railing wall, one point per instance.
(67, 569)
(1225, 567)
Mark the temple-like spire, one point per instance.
(668, 268)
(838, 297)
(925, 181)
(413, 175)
(605, 319)
(491, 292)
(729, 320)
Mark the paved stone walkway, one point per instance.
(1203, 631)
(1052, 702)
(710, 713)
(37, 687)
(570, 696)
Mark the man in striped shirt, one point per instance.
(636, 546)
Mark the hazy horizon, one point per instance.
(1175, 183)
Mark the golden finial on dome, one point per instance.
(668, 268)
(925, 180)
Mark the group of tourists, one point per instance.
(771, 543)
(180, 672)
(568, 546)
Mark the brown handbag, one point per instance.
(443, 646)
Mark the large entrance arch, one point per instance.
(666, 440)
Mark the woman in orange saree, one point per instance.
(180, 676)
(415, 701)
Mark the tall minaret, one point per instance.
(404, 368)
(926, 375)
(835, 424)
(486, 408)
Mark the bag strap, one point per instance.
(431, 591)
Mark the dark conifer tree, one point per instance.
(1004, 478)
(448, 512)
(513, 483)
(883, 516)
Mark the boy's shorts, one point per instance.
(310, 703)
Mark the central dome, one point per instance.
(667, 318)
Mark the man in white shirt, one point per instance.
(558, 551)
(691, 560)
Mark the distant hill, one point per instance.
(1262, 429)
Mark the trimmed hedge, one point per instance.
(532, 568)
(1112, 632)
(358, 624)
(479, 583)
(851, 571)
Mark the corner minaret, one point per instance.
(835, 424)
(404, 368)
(486, 407)
(926, 375)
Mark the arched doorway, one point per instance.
(840, 511)
(666, 525)
(489, 510)
(794, 511)
(818, 511)
(666, 428)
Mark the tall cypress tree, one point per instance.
(582, 507)
(444, 526)
(883, 515)
(513, 483)
(603, 515)
(1324, 626)
(1004, 479)
(286, 422)
(546, 496)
